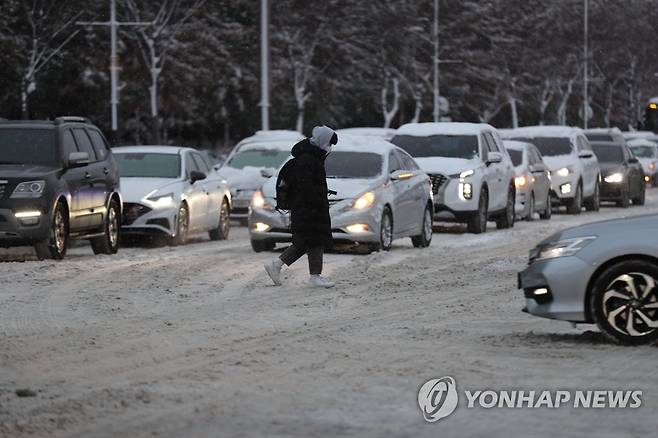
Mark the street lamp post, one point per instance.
(585, 68)
(435, 31)
(265, 66)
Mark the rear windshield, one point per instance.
(549, 146)
(343, 164)
(258, 158)
(452, 146)
(28, 146)
(148, 165)
(608, 153)
(599, 137)
(644, 151)
(516, 156)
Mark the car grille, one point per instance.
(132, 211)
(438, 181)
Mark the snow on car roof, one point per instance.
(362, 143)
(546, 131)
(280, 145)
(385, 133)
(639, 134)
(641, 142)
(272, 135)
(516, 145)
(152, 149)
(603, 130)
(443, 128)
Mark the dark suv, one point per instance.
(58, 180)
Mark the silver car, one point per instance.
(647, 152)
(532, 180)
(382, 195)
(604, 273)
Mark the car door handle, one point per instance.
(87, 175)
(106, 170)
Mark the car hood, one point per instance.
(25, 171)
(648, 223)
(607, 168)
(136, 189)
(558, 161)
(346, 188)
(248, 178)
(447, 166)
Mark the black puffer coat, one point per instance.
(309, 215)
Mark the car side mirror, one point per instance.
(585, 154)
(266, 173)
(537, 168)
(494, 157)
(195, 176)
(216, 167)
(633, 160)
(78, 159)
(401, 174)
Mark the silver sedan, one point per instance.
(532, 180)
(604, 273)
(382, 195)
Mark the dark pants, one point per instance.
(294, 252)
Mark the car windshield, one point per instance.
(644, 151)
(451, 146)
(516, 156)
(343, 164)
(148, 165)
(599, 137)
(258, 158)
(550, 146)
(608, 153)
(28, 146)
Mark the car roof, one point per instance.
(606, 143)
(613, 130)
(154, 149)
(385, 133)
(547, 131)
(41, 124)
(272, 136)
(443, 128)
(641, 142)
(266, 144)
(517, 145)
(363, 143)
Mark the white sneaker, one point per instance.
(320, 281)
(273, 269)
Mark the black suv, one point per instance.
(58, 180)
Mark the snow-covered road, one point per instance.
(194, 342)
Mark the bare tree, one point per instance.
(390, 110)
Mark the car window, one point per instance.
(393, 163)
(100, 147)
(536, 156)
(28, 146)
(68, 144)
(491, 143)
(408, 163)
(583, 144)
(200, 163)
(517, 156)
(84, 143)
(190, 164)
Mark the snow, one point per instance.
(629, 135)
(614, 130)
(173, 150)
(363, 143)
(385, 133)
(641, 142)
(546, 131)
(443, 128)
(268, 144)
(271, 136)
(515, 144)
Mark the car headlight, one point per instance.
(466, 173)
(259, 201)
(564, 171)
(364, 201)
(520, 181)
(616, 177)
(29, 189)
(162, 201)
(564, 248)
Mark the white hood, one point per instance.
(558, 161)
(136, 189)
(346, 188)
(446, 166)
(247, 178)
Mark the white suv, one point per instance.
(575, 173)
(472, 175)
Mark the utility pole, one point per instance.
(113, 24)
(265, 66)
(585, 74)
(437, 110)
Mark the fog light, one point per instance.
(565, 188)
(261, 227)
(647, 179)
(465, 191)
(540, 291)
(357, 228)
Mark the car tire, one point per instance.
(620, 315)
(548, 211)
(478, 223)
(625, 200)
(576, 204)
(386, 230)
(224, 226)
(182, 226)
(108, 243)
(639, 200)
(54, 247)
(262, 245)
(530, 216)
(506, 220)
(594, 202)
(424, 239)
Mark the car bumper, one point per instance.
(565, 281)
(278, 225)
(15, 231)
(522, 197)
(150, 222)
(563, 189)
(450, 204)
(611, 191)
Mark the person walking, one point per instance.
(309, 211)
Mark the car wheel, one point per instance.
(182, 226)
(478, 223)
(625, 200)
(54, 247)
(641, 197)
(531, 208)
(624, 302)
(425, 238)
(594, 203)
(223, 228)
(108, 243)
(506, 220)
(576, 205)
(548, 212)
(262, 245)
(386, 230)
